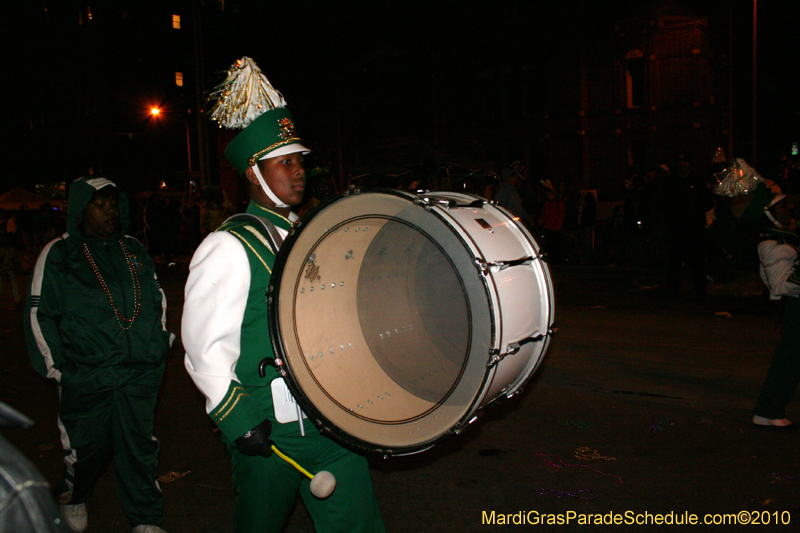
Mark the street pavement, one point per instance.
(640, 411)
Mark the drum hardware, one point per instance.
(504, 398)
(456, 430)
(452, 204)
(535, 338)
(501, 265)
(513, 347)
(352, 189)
(428, 203)
(275, 363)
(477, 204)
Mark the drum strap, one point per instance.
(267, 228)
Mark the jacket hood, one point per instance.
(80, 193)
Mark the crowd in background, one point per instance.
(664, 217)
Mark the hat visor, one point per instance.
(286, 150)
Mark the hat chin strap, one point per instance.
(278, 202)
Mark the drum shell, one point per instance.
(521, 295)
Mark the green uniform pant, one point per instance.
(117, 424)
(267, 487)
(784, 372)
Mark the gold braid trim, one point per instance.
(254, 159)
(223, 417)
(241, 238)
(271, 212)
(230, 397)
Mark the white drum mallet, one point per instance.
(322, 484)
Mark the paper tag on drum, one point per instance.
(286, 408)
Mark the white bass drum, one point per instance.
(394, 317)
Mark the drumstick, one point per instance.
(322, 484)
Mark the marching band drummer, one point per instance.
(226, 334)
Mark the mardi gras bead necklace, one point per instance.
(587, 454)
(557, 463)
(123, 321)
(583, 494)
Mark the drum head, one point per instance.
(383, 322)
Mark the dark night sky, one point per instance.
(459, 40)
(327, 54)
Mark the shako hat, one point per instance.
(750, 194)
(246, 100)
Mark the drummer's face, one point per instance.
(286, 177)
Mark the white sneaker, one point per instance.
(148, 529)
(75, 516)
(778, 422)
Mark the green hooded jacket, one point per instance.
(74, 335)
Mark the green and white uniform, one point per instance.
(226, 335)
(108, 369)
(779, 256)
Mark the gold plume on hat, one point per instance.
(245, 95)
(737, 179)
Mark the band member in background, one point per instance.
(95, 323)
(778, 253)
(226, 334)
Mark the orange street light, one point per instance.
(155, 112)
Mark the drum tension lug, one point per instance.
(495, 357)
(477, 204)
(513, 347)
(428, 203)
(502, 265)
(458, 428)
(536, 338)
(485, 267)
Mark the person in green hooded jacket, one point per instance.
(95, 323)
